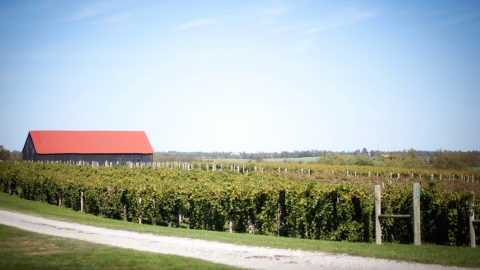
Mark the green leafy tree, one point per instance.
(4, 153)
(449, 160)
(191, 158)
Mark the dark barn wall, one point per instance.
(100, 158)
(28, 149)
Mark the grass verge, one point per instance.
(271, 160)
(21, 249)
(426, 253)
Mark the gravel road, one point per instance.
(230, 254)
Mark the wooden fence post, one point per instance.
(180, 218)
(125, 214)
(81, 201)
(471, 218)
(207, 223)
(140, 215)
(154, 221)
(251, 224)
(279, 214)
(378, 207)
(416, 215)
(60, 199)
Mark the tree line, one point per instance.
(440, 159)
(6, 155)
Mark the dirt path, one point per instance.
(230, 254)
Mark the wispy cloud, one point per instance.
(410, 11)
(287, 28)
(347, 16)
(91, 11)
(267, 16)
(305, 45)
(275, 11)
(117, 17)
(193, 24)
(461, 18)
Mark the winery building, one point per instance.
(99, 146)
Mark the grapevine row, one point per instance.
(320, 205)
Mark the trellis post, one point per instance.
(416, 214)
(81, 201)
(471, 218)
(378, 207)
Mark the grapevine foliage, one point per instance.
(325, 204)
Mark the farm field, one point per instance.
(271, 160)
(290, 200)
(427, 253)
(330, 203)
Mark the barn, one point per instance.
(88, 146)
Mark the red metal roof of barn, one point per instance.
(91, 142)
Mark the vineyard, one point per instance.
(294, 200)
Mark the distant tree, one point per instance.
(455, 160)
(16, 155)
(392, 156)
(258, 158)
(191, 158)
(4, 153)
(364, 151)
(363, 161)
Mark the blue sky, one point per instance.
(245, 75)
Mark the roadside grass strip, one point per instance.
(21, 249)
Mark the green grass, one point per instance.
(272, 160)
(427, 253)
(232, 160)
(21, 249)
(476, 169)
(293, 160)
